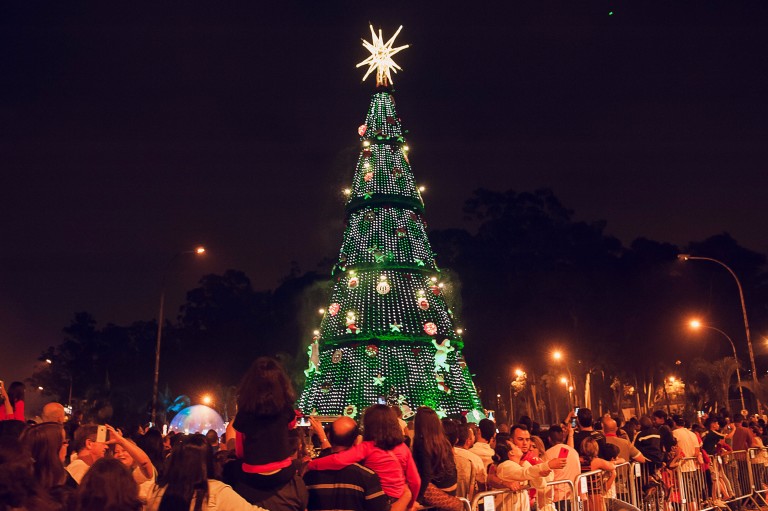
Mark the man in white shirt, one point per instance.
(687, 443)
(482, 447)
(88, 451)
(561, 496)
(461, 449)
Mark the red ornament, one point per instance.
(366, 153)
(430, 328)
(435, 290)
(353, 282)
(416, 351)
(423, 304)
(397, 172)
(362, 129)
(371, 350)
(391, 120)
(333, 309)
(401, 232)
(368, 176)
(414, 216)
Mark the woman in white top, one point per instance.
(185, 486)
(510, 468)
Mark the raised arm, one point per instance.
(342, 459)
(136, 452)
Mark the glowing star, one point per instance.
(378, 380)
(395, 327)
(380, 59)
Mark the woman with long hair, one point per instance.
(47, 444)
(266, 469)
(434, 458)
(185, 484)
(383, 451)
(108, 486)
(18, 487)
(13, 401)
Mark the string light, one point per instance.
(378, 346)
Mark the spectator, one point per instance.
(586, 429)
(12, 429)
(151, 443)
(433, 454)
(666, 438)
(132, 457)
(611, 453)
(13, 402)
(19, 488)
(743, 438)
(383, 451)
(511, 468)
(561, 497)
(88, 450)
(627, 451)
(266, 440)
(352, 487)
(47, 445)
(648, 442)
(464, 441)
(185, 484)
(482, 446)
(213, 440)
(713, 436)
(108, 486)
(53, 412)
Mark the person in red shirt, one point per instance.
(13, 402)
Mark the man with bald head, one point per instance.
(53, 412)
(352, 487)
(627, 451)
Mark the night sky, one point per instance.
(129, 133)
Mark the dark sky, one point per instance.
(130, 132)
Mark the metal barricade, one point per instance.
(758, 461)
(734, 477)
(624, 487)
(563, 495)
(499, 500)
(590, 491)
(648, 490)
(687, 486)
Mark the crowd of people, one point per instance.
(265, 461)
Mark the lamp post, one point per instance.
(571, 384)
(696, 325)
(198, 251)
(687, 257)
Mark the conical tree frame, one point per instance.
(387, 334)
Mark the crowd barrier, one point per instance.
(728, 482)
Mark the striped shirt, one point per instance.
(354, 487)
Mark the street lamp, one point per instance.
(197, 251)
(695, 324)
(687, 257)
(571, 384)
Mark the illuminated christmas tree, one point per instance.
(387, 334)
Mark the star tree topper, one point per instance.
(381, 57)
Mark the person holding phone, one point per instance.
(561, 496)
(89, 449)
(12, 401)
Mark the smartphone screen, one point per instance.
(303, 422)
(563, 452)
(101, 434)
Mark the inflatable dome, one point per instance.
(197, 419)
